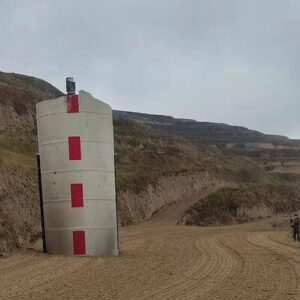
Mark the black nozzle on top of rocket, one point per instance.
(70, 86)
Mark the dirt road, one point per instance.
(173, 213)
(251, 261)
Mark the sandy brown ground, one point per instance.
(161, 261)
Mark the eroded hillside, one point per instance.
(154, 169)
(243, 203)
(18, 96)
(19, 211)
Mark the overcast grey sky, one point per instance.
(231, 61)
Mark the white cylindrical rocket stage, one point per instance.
(76, 146)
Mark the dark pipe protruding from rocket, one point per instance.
(70, 86)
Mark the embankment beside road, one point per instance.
(167, 191)
(243, 203)
(19, 210)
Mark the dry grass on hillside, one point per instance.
(18, 153)
(23, 92)
(243, 203)
(144, 155)
(155, 170)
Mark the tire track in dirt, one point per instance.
(36, 274)
(174, 290)
(154, 261)
(288, 280)
(18, 262)
(285, 251)
(165, 262)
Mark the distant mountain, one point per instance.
(210, 134)
(20, 93)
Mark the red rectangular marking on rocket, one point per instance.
(79, 242)
(73, 104)
(74, 148)
(77, 195)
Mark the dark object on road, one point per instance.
(296, 224)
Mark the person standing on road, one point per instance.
(296, 225)
(292, 226)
